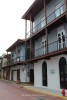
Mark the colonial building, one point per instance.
(13, 64)
(46, 42)
(18, 69)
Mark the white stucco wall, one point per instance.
(53, 79)
(23, 74)
(38, 73)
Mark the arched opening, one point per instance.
(63, 73)
(44, 73)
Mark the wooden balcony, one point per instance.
(53, 20)
(14, 61)
(54, 48)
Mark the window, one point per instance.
(44, 45)
(61, 38)
(63, 72)
(58, 10)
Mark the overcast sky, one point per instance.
(12, 26)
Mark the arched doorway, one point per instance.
(44, 74)
(63, 73)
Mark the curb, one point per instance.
(48, 93)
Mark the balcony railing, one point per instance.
(14, 61)
(52, 47)
(50, 18)
(37, 28)
(56, 13)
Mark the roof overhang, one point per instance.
(34, 9)
(13, 46)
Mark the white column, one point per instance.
(16, 51)
(25, 29)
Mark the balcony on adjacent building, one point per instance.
(14, 61)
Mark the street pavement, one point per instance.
(12, 91)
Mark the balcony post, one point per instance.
(25, 28)
(7, 52)
(31, 27)
(66, 7)
(45, 13)
(66, 4)
(7, 58)
(46, 40)
(25, 36)
(16, 53)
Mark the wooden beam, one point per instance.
(16, 51)
(30, 35)
(25, 29)
(66, 8)
(25, 36)
(45, 13)
(31, 25)
(66, 4)
(46, 40)
(7, 58)
(47, 58)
